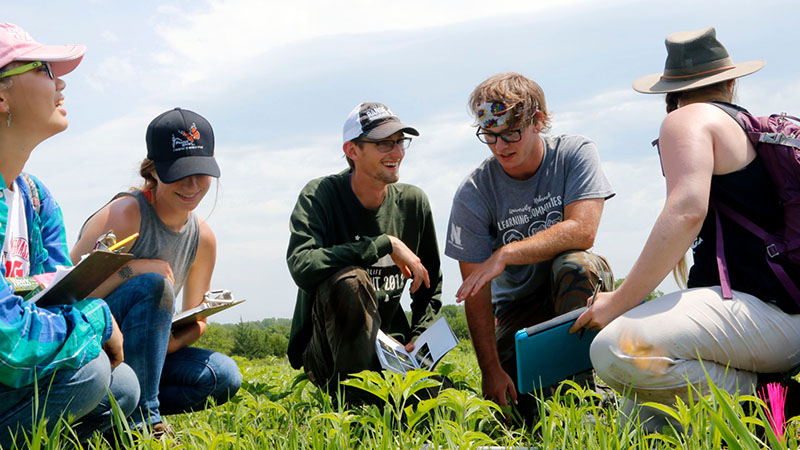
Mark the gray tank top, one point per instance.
(156, 241)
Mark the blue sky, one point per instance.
(276, 81)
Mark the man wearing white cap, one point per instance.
(356, 236)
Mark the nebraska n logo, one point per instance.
(455, 235)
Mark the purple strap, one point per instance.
(772, 250)
(722, 266)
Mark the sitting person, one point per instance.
(520, 228)
(356, 237)
(652, 350)
(51, 360)
(175, 250)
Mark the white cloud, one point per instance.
(237, 30)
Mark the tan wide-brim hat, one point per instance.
(694, 59)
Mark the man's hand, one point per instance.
(482, 274)
(113, 346)
(496, 385)
(410, 264)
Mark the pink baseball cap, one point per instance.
(17, 45)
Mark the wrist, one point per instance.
(501, 255)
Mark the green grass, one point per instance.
(278, 408)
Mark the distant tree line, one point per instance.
(270, 337)
(252, 340)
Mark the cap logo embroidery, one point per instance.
(179, 144)
(17, 32)
(377, 112)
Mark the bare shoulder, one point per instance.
(122, 215)
(125, 209)
(207, 242)
(697, 117)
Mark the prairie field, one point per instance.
(278, 407)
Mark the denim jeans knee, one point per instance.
(66, 393)
(143, 308)
(193, 375)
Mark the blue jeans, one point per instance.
(125, 389)
(192, 375)
(143, 309)
(81, 394)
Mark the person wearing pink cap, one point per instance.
(57, 361)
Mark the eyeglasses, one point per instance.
(507, 136)
(387, 145)
(28, 67)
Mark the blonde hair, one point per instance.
(521, 95)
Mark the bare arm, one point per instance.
(121, 215)
(576, 232)
(496, 383)
(198, 282)
(687, 142)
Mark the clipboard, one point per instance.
(547, 353)
(205, 309)
(82, 279)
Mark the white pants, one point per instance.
(653, 350)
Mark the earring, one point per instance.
(8, 120)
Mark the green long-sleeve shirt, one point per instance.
(330, 230)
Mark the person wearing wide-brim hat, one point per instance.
(650, 350)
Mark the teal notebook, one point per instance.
(547, 353)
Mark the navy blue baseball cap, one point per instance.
(181, 144)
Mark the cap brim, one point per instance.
(172, 171)
(654, 84)
(63, 59)
(389, 128)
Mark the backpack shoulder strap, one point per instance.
(35, 200)
(731, 109)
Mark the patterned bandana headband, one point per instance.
(491, 115)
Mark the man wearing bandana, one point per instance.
(521, 227)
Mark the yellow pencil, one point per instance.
(123, 242)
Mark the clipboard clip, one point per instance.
(218, 296)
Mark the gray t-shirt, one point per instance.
(491, 209)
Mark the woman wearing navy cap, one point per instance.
(174, 251)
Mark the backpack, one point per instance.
(35, 201)
(777, 140)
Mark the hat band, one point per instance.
(679, 71)
(680, 77)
